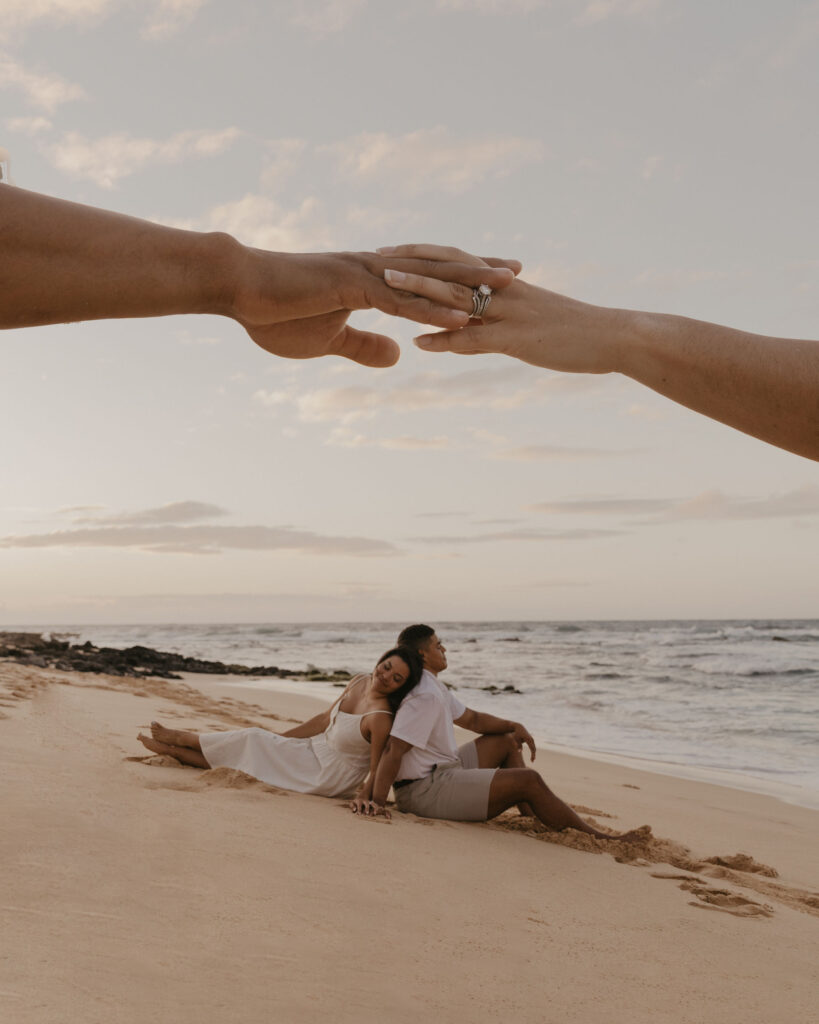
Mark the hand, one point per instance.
(297, 305)
(521, 735)
(369, 808)
(529, 323)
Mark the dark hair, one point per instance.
(415, 664)
(415, 636)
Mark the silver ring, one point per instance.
(481, 297)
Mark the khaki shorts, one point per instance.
(459, 792)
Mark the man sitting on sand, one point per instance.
(434, 778)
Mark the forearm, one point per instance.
(484, 723)
(385, 775)
(313, 727)
(62, 262)
(763, 386)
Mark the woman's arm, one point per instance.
(63, 262)
(379, 734)
(764, 386)
(314, 727)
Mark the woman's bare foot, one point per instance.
(151, 744)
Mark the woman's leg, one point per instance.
(175, 737)
(184, 754)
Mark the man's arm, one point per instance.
(764, 386)
(384, 777)
(61, 262)
(490, 725)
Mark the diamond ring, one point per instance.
(481, 297)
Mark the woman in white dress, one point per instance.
(334, 754)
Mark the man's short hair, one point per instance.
(416, 636)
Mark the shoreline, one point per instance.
(786, 792)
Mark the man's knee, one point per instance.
(532, 781)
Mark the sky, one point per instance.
(636, 153)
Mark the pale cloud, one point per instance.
(430, 159)
(524, 534)
(202, 540)
(342, 437)
(494, 6)
(108, 159)
(548, 452)
(259, 221)
(283, 157)
(173, 512)
(497, 388)
(602, 10)
(325, 16)
(28, 125)
(162, 17)
(43, 90)
(709, 505)
(671, 280)
(169, 16)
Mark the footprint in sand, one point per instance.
(718, 899)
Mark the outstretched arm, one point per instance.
(62, 262)
(764, 386)
(490, 725)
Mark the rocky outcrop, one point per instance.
(140, 662)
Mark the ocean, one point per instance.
(736, 702)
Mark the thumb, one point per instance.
(365, 347)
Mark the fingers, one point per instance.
(364, 347)
(514, 265)
(445, 254)
(498, 276)
(440, 292)
(466, 342)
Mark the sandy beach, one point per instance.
(135, 889)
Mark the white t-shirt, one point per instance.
(425, 719)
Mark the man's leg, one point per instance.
(510, 786)
(499, 750)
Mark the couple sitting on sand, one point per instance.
(391, 728)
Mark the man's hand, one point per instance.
(521, 735)
(369, 808)
(297, 305)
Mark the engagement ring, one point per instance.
(481, 297)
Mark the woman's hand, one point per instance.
(368, 808)
(529, 323)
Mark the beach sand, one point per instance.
(134, 889)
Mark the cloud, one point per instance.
(28, 125)
(259, 221)
(46, 91)
(507, 387)
(162, 17)
(602, 10)
(174, 512)
(709, 505)
(160, 530)
(429, 159)
(169, 16)
(548, 452)
(504, 7)
(203, 540)
(108, 159)
(325, 16)
(525, 534)
(344, 438)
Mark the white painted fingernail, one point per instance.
(394, 276)
(386, 250)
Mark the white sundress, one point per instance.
(334, 763)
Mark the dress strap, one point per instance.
(378, 711)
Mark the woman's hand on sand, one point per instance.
(369, 808)
(529, 323)
(297, 305)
